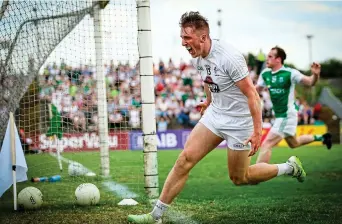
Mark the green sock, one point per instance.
(318, 138)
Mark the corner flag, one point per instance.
(6, 164)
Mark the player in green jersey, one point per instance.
(280, 82)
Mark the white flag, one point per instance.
(6, 178)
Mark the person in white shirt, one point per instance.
(232, 113)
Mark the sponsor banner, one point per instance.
(175, 139)
(171, 139)
(308, 130)
(83, 141)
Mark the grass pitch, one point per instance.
(208, 197)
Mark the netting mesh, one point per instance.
(31, 30)
(49, 59)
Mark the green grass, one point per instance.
(208, 197)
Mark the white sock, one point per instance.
(284, 168)
(159, 210)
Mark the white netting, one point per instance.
(49, 77)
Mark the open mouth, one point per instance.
(190, 50)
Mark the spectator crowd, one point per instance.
(178, 90)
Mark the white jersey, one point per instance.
(224, 66)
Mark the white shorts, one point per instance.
(285, 126)
(235, 130)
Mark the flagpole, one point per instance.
(57, 144)
(13, 154)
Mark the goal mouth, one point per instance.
(77, 75)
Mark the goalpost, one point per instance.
(148, 101)
(101, 94)
(94, 53)
(147, 97)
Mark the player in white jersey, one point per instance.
(232, 112)
(280, 81)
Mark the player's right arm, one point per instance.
(260, 85)
(206, 103)
(207, 93)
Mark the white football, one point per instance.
(87, 194)
(30, 198)
(76, 169)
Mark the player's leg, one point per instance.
(265, 151)
(240, 170)
(295, 142)
(242, 173)
(200, 142)
(289, 131)
(274, 136)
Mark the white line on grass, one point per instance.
(62, 158)
(122, 191)
(179, 217)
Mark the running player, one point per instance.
(280, 81)
(232, 112)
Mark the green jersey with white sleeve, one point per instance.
(281, 86)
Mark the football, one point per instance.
(30, 198)
(76, 169)
(87, 194)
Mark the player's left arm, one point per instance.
(311, 80)
(248, 89)
(238, 71)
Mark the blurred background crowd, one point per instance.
(178, 90)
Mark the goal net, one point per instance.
(77, 76)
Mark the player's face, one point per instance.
(192, 41)
(272, 60)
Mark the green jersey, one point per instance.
(281, 86)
